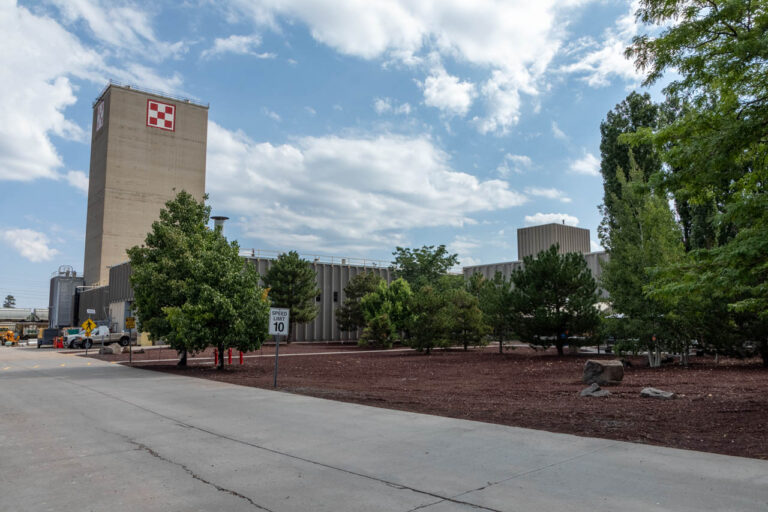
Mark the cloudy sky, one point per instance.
(343, 127)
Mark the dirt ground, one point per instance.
(720, 408)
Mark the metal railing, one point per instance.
(148, 91)
(317, 258)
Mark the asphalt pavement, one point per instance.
(79, 434)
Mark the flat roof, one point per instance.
(144, 90)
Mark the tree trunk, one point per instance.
(221, 356)
(290, 331)
(501, 343)
(559, 346)
(654, 357)
(764, 352)
(466, 345)
(183, 359)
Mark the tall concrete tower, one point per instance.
(145, 148)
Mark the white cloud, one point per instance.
(125, 28)
(47, 57)
(79, 180)
(549, 193)
(588, 164)
(310, 111)
(463, 244)
(239, 45)
(387, 105)
(548, 218)
(272, 115)
(32, 245)
(344, 193)
(595, 247)
(604, 60)
(513, 163)
(447, 93)
(557, 132)
(513, 41)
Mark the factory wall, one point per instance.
(331, 280)
(532, 240)
(594, 263)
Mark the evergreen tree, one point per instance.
(292, 284)
(430, 322)
(496, 302)
(466, 323)
(555, 298)
(349, 316)
(9, 302)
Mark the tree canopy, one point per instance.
(715, 150)
(423, 266)
(555, 299)
(191, 288)
(292, 284)
(349, 316)
(9, 301)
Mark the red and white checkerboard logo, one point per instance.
(161, 115)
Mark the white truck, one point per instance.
(98, 336)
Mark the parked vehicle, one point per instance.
(98, 336)
(47, 337)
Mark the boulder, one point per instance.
(594, 390)
(111, 349)
(657, 393)
(603, 372)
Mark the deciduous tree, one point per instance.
(191, 289)
(423, 266)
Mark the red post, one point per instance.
(241, 357)
(229, 355)
(215, 357)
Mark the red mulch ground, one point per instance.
(721, 408)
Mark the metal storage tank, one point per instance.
(62, 300)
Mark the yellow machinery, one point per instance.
(10, 336)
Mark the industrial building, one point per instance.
(532, 240)
(145, 148)
(114, 303)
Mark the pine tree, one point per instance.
(292, 284)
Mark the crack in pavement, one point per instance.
(452, 499)
(147, 449)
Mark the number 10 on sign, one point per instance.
(278, 321)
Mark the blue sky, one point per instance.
(340, 128)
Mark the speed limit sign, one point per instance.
(278, 321)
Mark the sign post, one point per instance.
(278, 326)
(88, 326)
(130, 324)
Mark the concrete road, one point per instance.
(79, 435)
